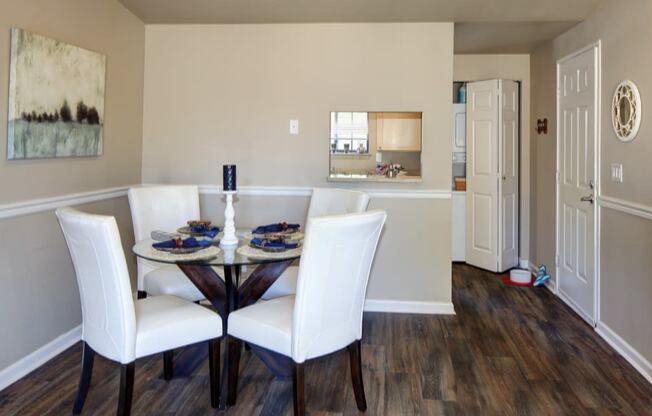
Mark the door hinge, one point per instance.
(557, 176)
(557, 260)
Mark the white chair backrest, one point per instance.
(331, 201)
(163, 208)
(337, 255)
(108, 316)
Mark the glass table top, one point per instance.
(215, 255)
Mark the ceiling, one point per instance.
(483, 25)
(506, 37)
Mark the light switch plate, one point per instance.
(294, 126)
(617, 172)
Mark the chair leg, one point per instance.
(88, 356)
(142, 294)
(356, 375)
(168, 365)
(214, 371)
(126, 389)
(235, 347)
(298, 394)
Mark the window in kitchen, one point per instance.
(349, 132)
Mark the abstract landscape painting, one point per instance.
(56, 98)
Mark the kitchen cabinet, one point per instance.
(399, 132)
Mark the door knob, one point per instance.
(588, 199)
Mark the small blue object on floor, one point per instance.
(542, 276)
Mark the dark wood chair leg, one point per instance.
(168, 365)
(298, 394)
(356, 375)
(142, 294)
(214, 371)
(126, 389)
(88, 357)
(235, 347)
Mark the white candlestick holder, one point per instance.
(229, 238)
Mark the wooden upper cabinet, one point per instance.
(399, 132)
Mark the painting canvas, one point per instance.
(56, 98)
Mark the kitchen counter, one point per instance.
(361, 177)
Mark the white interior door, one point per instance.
(482, 174)
(508, 165)
(576, 138)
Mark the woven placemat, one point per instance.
(255, 253)
(206, 253)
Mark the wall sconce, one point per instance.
(542, 126)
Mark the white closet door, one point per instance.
(508, 163)
(482, 170)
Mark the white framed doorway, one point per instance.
(577, 181)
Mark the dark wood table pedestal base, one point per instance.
(227, 295)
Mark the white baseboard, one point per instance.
(640, 363)
(34, 360)
(399, 306)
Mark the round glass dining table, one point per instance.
(228, 292)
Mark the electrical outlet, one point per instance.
(617, 172)
(294, 127)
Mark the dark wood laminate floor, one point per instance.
(507, 351)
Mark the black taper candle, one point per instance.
(228, 178)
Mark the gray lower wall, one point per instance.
(626, 278)
(39, 299)
(412, 263)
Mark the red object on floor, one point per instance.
(507, 281)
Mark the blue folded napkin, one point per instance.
(275, 228)
(190, 242)
(210, 232)
(273, 244)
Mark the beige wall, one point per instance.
(398, 271)
(225, 93)
(103, 26)
(39, 295)
(514, 67)
(625, 284)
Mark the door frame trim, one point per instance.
(597, 46)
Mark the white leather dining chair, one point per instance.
(326, 313)
(324, 201)
(163, 208)
(115, 326)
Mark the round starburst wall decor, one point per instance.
(626, 111)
